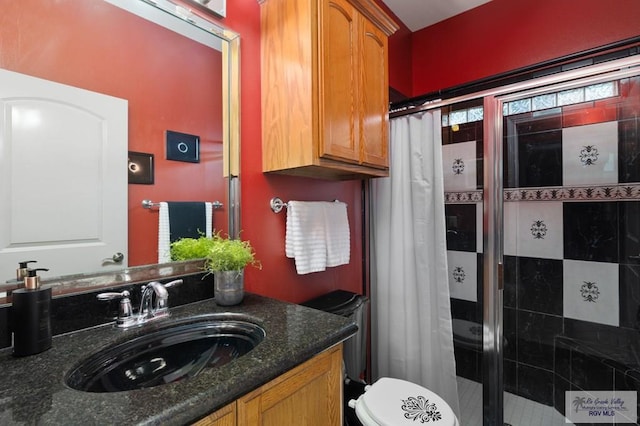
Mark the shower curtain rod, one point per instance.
(504, 82)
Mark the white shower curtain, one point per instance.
(411, 316)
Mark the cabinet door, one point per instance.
(310, 394)
(226, 416)
(338, 81)
(374, 96)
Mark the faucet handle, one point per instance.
(113, 295)
(125, 312)
(173, 283)
(163, 302)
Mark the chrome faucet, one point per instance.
(147, 309)
(154, 304)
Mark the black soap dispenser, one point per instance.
(31, 316)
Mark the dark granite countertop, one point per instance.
(32, 389)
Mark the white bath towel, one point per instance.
(164, 230)
(164, 244)
(208, 210)
(305, 239)
(338, 236)
(317, 235)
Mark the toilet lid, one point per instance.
(395, 402)
(467, 330)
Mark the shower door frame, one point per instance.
(613, 73)
(493, 229)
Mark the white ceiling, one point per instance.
(417, 14)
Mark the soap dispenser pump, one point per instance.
(31, 313)
(23, 267)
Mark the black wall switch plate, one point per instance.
(140, 168)
(183, 147)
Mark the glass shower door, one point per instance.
(462, 151)
(571, 214)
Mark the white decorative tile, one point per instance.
(459, 166)
(479, 228)
(590, 154)
(591, 291)
(533, 229)
(510, 220)
(463, 275)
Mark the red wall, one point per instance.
(496, 37)
(45, 40)
(265, 229)
(504, 35)
(399, 55)
(102, 48)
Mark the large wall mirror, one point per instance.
(177, 70)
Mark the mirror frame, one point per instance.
(89, 282)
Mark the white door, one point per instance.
(63, 177)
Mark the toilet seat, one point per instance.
(395, 402)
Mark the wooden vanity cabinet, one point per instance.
(310, 394)
(325, 88)
(225, 416)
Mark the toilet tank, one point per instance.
(356, 308)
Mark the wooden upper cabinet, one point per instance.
(325, 88)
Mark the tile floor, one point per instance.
(518, 411)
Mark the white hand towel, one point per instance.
(305, 239)
(208, 207)
(164, 244)
(337, 233)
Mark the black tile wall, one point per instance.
(536, 333)
(590, 373)
(560, 387)
(562, 360)
(629, 150)
(591, 231)
(466, 310)
(629, 232)
(541, 363)
(540, 159)
(591, 333)
(461, 227)
(532, 159)
(468, 363)
(535, 384)
(539, 284)
(510, 293)
(510, 340)
(630, 296)
(510, 373)
(629, 380)
(480, 278)
(479, 164)
(466, 132)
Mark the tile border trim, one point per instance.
(574, 193)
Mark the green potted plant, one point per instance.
(225, 258)
(191, 248)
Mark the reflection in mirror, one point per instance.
(171, 79)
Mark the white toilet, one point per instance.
(395, 402)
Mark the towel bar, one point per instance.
(148, 204)
(277, 204)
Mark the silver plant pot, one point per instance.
(228, 287)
